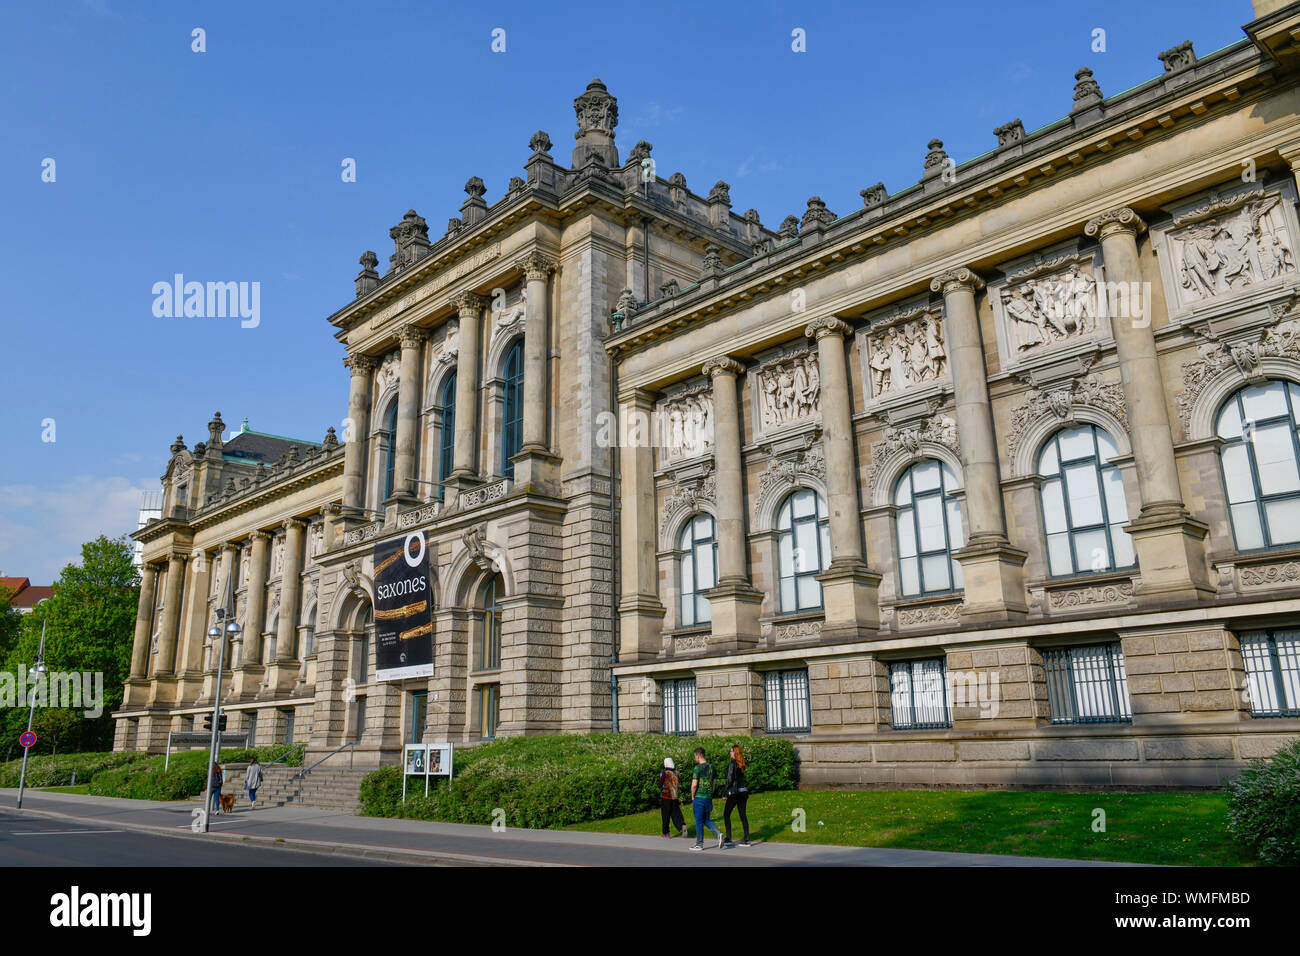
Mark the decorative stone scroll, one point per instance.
(787, 390)
(794, 631)
(1061, 402)
(685, 498)
(938, 429)
(1121, 592)
(685, 424)
(1226, 246)
(904, 348)
(1284, 574)
(928, 614)
(782, 474)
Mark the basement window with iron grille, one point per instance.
(679, 706)
(1272, 660)
(786, 693)
(1087, 685)
(918, 695)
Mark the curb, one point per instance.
(319, 847)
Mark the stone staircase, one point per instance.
(328, 788)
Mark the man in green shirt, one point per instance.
(702, 781)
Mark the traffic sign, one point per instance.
(27, 739)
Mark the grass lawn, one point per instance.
(1168, 828)
(79, 788)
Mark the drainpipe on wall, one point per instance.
(614, 586)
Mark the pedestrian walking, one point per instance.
(670, 804)
(253, 780)
(218, 777)
(702, 781)
(737, 793)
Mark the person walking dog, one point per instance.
(253, 780)
(737, 793)
(218, 777)
(670, 804)
(702, 781)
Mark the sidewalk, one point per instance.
(455, 844)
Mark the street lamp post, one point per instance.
(35, 672)
(218, 633)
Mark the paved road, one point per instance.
(29, 840)
(328, 831)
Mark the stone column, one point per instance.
(469, 308)
(849, 590)
(640, 610)
(408, 414)
(143, 623)
(1169, 542)
(256, 615)
(993, 571)
(284, 671)
(357, 433)
(171, 616)
(537, 393)
(735, 602)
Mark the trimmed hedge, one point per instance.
(1264, 807)
(554, 781)
(185, 776)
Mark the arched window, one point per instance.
(512, 414)
(1084, 511)
(390, 456)
(803, 551)
(309, 635)
(447, 446)
(929, 529)
(698, 569)
(489, 647)
(1261, 464)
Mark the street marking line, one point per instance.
(51, 832)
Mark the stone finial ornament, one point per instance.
(668, 289)
(789, 229)
(597, 113)
(713, 264)
(677, 188)
(1087, 91)
(1179, 57)
(475, 188)
(1009, 133)
(640, 151)
(454, 225)
(936, 158)
(540, 143)
(215, 427)
(874, 195)
(516, 185)
(410, 240)
(178, 445)
(816, 216)
(331, 439)
(368, 277)
(721, 192)
(474, 209)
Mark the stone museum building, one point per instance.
(993, 480)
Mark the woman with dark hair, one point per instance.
(218, 778)
(737, 793)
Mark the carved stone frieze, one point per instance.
(905, 348)
(1282, 574)
(782, 473)
(1061, 402)
(939, 430)
(1120, 592)
(787, 390)
(928, 614)
(686, 497)
(685, 422)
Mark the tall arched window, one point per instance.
(929, 529)
(390, 455)
(447, 445)
(308, 646)
(1261, 464)
(698, 571)
(512, 414)
(803, 550)
(489, 649)
(1084, 511)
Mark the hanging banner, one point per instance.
(403, 609)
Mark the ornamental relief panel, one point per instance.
(1061, 402)
(939, 429)
(1227, 246)
(786, 391)
(904, 348)
(684, 424)
(1280, 575)
(1052, 301)
(685, 498)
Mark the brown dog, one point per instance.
(227, 803)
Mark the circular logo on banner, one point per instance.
(406, 549)
(27, 739)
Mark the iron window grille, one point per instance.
(1083, 505)
(679, 706)
(918, 695)
(1087, 685)
(928, 524)
(1272, 660)
(786, 693)
(1260, 464)
(802, 550)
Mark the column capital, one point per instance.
(359, 364)
(468, 304)
(411, 336)
(827, 325)
(535, 265)
(637, 397)
(295, 522)
(1121, 219)
(721, 365)
(260, 535)
(955, 279)
(229, 546)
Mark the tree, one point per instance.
(11, 623)
(90, 626)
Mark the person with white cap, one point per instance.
(670, 804)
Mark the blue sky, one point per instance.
(225, 166)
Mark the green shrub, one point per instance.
(558, 780)
(1264, 807)
(57, 770)
(150, 782)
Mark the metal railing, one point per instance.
(302, 773)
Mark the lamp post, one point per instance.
(218, 633)
(35, 672)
